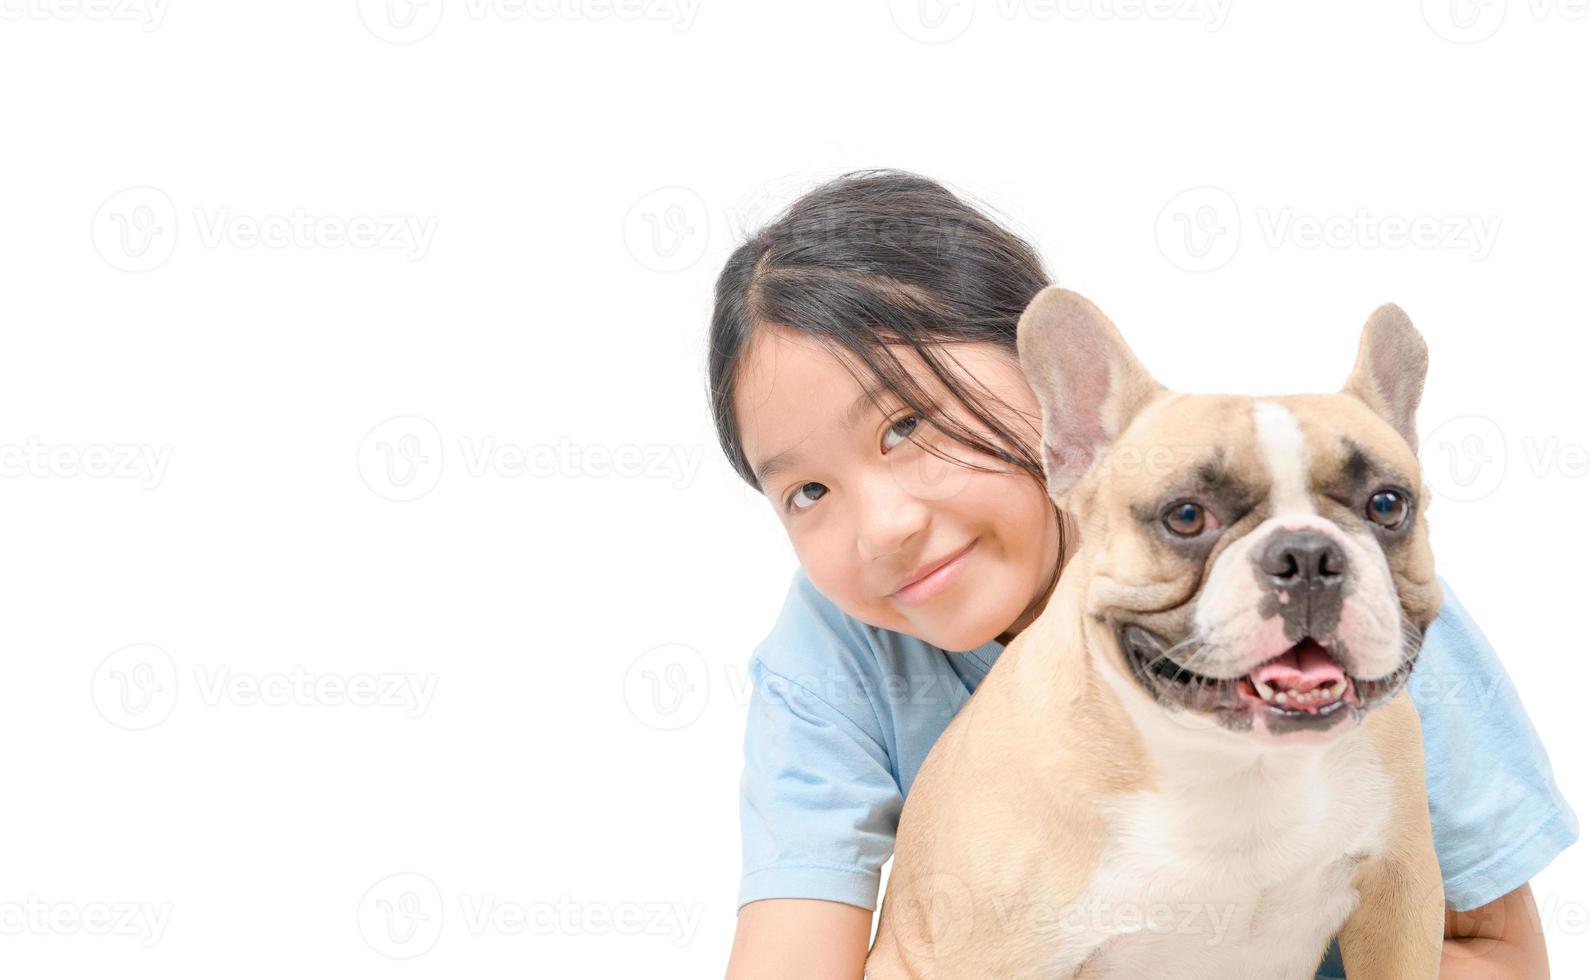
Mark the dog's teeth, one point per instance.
(1319, 695)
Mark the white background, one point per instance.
(509, 222)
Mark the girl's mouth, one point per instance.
(935, 581)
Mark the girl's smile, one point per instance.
(938, 576)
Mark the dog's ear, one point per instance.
(1388, 375)
(1087, 381)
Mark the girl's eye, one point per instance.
(791, 502)
(903, 428)
(894, 430)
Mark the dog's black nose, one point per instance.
(1303, 560)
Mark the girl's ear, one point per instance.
(1087, 381)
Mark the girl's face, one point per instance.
(868, 510)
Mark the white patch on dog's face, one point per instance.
(1286, 457)
(1235, 614)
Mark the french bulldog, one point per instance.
(1200, 760)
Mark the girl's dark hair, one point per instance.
(872, 258)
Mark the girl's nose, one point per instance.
(888, 515)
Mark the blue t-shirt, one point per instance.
(843, 714)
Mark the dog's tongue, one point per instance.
(1302, 668)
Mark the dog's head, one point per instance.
(1262, 563)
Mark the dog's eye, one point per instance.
(1186, 519)
(1388, 508)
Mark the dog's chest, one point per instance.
(1246, 877)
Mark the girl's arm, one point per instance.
(1502, 940)
(800, 939)
(819, 799)
(1495, 810)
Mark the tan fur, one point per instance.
(1008, 819)
(1397, 929)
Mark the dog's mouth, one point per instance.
(1303, 687)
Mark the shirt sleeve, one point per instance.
(1495, 810)
(818, 802)
(819, 798)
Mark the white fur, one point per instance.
(1285, 455)
(1240, 853)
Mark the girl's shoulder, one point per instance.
(895, 687)
(816, 646)
(812, 634)
(1455, 646)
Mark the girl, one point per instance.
(864, 379)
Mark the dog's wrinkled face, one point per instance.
(1280, 573)
(1262, 562)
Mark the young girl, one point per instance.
(864, 379)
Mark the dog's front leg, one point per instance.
(1395, 931)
